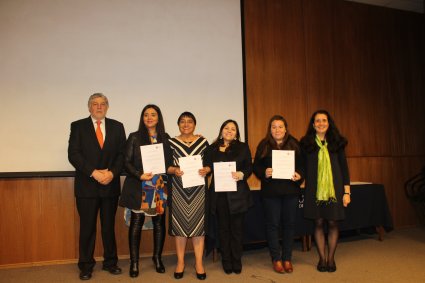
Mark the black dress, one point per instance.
(329, 211)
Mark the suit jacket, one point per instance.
(85, 154)
(240, 200)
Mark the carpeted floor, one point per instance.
(360, 258)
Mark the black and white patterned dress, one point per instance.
(188, 205)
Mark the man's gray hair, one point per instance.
(96, 95)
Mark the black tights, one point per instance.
(319, 236)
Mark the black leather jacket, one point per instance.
(131, 194)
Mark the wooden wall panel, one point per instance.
(40, 223)
(275, 66)
(363, 101)
(37, 217)
(365, 64)
(12, 249)
(319, 53)
(407, 84)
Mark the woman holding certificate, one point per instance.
(279, 151)
(144, 192)
(327, 183)
(230, 196)
(188, 194)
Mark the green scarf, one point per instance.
(325, 185)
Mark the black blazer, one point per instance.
(240, 200)
(85, 154)
(131, 196)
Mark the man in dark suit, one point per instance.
(95, 150)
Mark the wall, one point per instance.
(364, 64)
(40, 224)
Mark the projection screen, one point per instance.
(183, 55)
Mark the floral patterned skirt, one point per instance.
(154, 195)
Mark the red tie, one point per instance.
(99, 134)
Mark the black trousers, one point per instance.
(88, 209)
(230, 234)
(280, 212)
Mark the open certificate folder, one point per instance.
(223, 179)
(283, 164)
(153, 158)
(190, 165)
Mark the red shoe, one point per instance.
(287, 265)
(278, 267)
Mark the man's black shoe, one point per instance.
(85, 275)
(115, 270)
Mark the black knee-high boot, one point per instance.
(134, 236)
(158, 241)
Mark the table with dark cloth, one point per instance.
(368, 208)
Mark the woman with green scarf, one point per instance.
(327, 183)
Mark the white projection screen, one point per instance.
(183, 55)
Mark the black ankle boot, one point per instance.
(158, 241)
(159, 266)
(134, 268)
(134, 236)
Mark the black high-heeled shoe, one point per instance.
(237, 267)
(200, 276)
(332, 267)
(321, 266)
(227, 267)
(179, 275)
(227, 270)
(237, 270)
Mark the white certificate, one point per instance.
(153, 158)
(190, 166)
(223, 179)
(283, 164)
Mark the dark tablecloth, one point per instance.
(368, 208)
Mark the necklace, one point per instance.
(187, 141)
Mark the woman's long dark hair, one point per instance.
(160, 128)
(335, 140)
(268, 143)
(218, 142)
